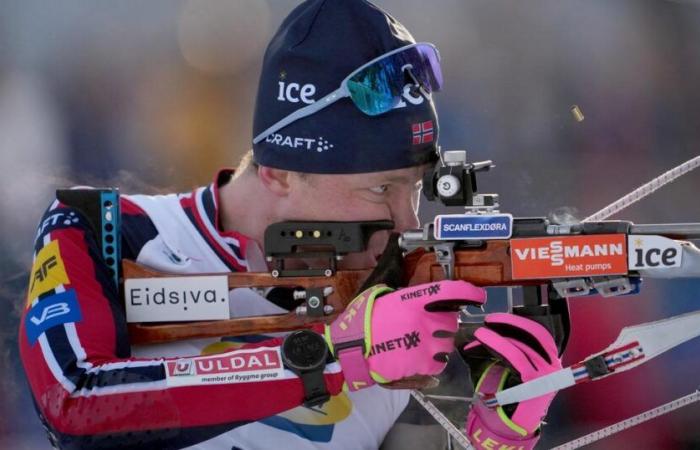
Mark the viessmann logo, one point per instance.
(567, 256)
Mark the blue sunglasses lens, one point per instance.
(374, 90)
(377, 88)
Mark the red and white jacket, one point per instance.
(93, 390)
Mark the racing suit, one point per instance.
(93, 390)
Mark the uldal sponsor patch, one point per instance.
(239, 366)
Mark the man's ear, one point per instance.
(276, 181)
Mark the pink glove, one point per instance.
(525, 350)
(386, 335)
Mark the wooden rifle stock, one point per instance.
(488, 265)
(344, 285)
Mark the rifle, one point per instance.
(486, 263)
(552, 262)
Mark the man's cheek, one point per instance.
(377, 242)
(355, 261)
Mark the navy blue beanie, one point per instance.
(315, 48)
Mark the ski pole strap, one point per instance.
(605, 364)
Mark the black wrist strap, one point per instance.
(315, 392)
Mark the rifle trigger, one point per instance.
(445, 255)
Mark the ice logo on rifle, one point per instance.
(473, 226)
(653, 252)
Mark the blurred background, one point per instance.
(155, 96)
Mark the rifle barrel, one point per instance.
(540, 227)
(676, 230)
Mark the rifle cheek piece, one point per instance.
(309, 239)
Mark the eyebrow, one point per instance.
(400, 179)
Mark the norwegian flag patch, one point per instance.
(422, 132)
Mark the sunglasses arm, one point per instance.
(303, 112)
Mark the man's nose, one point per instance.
(404, 217)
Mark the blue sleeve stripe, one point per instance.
(88, 379)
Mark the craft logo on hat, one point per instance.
(297, 143)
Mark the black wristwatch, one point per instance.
(305, 353)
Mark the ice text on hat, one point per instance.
(289, 92)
